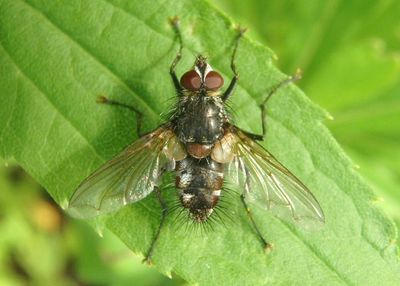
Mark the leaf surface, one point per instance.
(56, 57)
(351, 68)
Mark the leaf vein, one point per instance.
(51, 104)
(68, 36)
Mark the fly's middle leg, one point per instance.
(270, 93)
(174, 21)
(164, 208)
(229, 91)
(139, 115)
(263, 104)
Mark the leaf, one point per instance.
(351, 68)
(57, 57)
(367, 112)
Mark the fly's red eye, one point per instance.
(191, 80)
(213, 80)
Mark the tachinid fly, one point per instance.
(204, 150)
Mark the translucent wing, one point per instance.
(267, 183)
(127, 178)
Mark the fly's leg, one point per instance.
(175, 25)
(164, 208)
(267, 246)
(229, 91)
(263, 104)
(139, 115)
(271, 92)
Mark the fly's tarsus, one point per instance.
(231, 88)
(164, 212)
(240, 32)
(283, 83)
(139, 115)
(174, 21)
(267, 246)
(270, 93)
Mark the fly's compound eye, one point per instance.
(213, 80)
(191, 80)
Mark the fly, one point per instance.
(204, 150)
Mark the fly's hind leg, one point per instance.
(174, 21)
(139, 115)
(266, 245)
(164, 208)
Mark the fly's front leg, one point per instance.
(267, 246)
(164, 208)
(175, 25)
(139, 115)
(232, 85)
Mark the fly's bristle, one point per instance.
(230, 110)
(171, 112)
(184, 219)
(231, 192)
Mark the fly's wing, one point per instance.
(127, 178)
(268, 184)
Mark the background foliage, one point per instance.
(351, 68)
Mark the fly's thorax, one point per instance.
(199, 120)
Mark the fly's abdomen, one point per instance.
(200, 174)
(200, 183)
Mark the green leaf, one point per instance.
(56, 57)
(351, 67)
(367, 112)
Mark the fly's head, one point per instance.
(200, 203)
(202, 79)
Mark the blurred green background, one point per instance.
(71, 253)
(349, 54)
